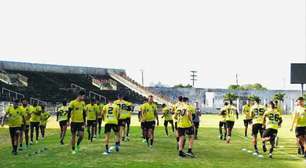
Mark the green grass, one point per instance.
(209, 151)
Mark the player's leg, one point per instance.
(64, 132)
(32, 132)
(37, 131)
(172, 125)
(107, 135)
(166, 127)
(73, 137)
(11, 130)
(94, 129)
(196, 128)
(26, 135)
(88, 129)
(181, 135)
(246, 124)
(190, 133)
(220, 130)
(117, 139)
(21, 137)
(107, 131)
(128, 123)
(254, 134)
(81, 135)
(16, 138)
(100, 125)
(225, 131)
(43, 133)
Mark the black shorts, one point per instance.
(149, 124)
(247, 122)
(196, 124)
(257, 128)
(222, 124)
(14, 131)
(34, 124)
(63, 123)
(270, 132)
(121, 122)
(91, 123)
(166, 122)
(76, 127)
(300, 131)
(230, 124)
(184, 131)
(109, 127)
(142, 125)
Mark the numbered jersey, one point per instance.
(273, 119)
(77, 111)
(231, 112)
(246, 109)
(111, 114)
(14, 117)
(124, 108)
(63, 113)
(148, 112)
(257, 112)
(183, 114)
(167, 114)
(301, 116)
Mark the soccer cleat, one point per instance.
(182, 154)
(117, 148)
(31, 143)
(15, 153)
(62, 142)
(144, 141)
(36, 142)
(73, 152)
(256, 153)
(221, 137)
(270, 155)
(190, 154)
(20, 149)
(106, 153)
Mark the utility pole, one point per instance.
(142, 78)
(193, 77)
(237, 81)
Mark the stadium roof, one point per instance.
(34, 67)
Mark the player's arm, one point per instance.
(84, 115)
(294, 121)
(237, 114)
(156, 115)
(4, 117)
(57, 113)
(103, 113)
(264, 120)
(280, 121)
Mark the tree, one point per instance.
(256, 86)
(234, 87)
(230, 97)
(253, 97)
(279, 97)
(182, 86)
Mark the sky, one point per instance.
(256, 39)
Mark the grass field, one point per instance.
(209, 151)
